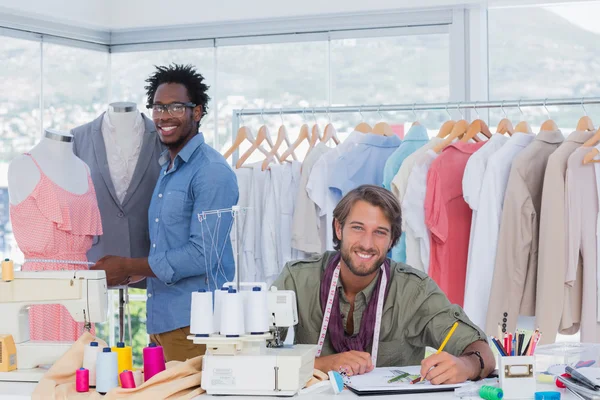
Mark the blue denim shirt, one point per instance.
(187, 255)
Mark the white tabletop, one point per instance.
(23, 391)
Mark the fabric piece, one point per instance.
(180, 380)
(306, 225)
(558, 306)
(413, 213)
(415, 138)
(55, 224)
(176, 346)
(515, 271)
(416, 313)
(487, 225)
(122, 161)
(448, 218)
(341, 340)
(581, 207)
(188, 254)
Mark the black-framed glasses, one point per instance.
(176, 110)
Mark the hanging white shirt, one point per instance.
(253, 225)
(487, 226)
(246, 260)
(413, 213)
(290, 185)
(271, 223)
(122, 160)
(317, 187)
(597, 171)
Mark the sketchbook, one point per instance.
(376, 382)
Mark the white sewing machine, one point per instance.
(83, 293)
(258, 365)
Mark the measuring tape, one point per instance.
(378, 315)
(40, 260)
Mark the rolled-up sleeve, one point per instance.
(215, 190)
(434, 318)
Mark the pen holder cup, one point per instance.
(517, 377)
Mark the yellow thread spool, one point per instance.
(124, 358)
(8, 271)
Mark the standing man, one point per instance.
(185, 255)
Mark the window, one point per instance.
(75, 85)
(129, 72)
(19, 119)
(545, 52)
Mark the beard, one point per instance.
(365, 268)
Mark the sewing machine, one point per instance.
(259, 365)
(83, 293)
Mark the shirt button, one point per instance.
(154, 245)
(120, 215)
(156, 220)
(149, 294)
(160, 195)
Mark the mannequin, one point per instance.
(55, 216)
(124, 116)
(54, 154)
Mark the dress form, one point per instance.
(54, 154)
(124, 116)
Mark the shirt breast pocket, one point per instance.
(172, 208)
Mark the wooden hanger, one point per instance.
(585, 123)
(363, 127)
(243, 134)
(523, 126)
(263, 132)
(330, 134)
(476, 127)
(460, 128)
(383, 128)
(446, 128)
(303, 135)
(549, 124)
(505, 126)
(281, 135)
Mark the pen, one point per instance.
(499, 347)
(448, 336)
(398, 377)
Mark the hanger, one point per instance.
(303, 135)
(281, 136)
(315, 134)
(363, 127)
(549, 124)
(446, 126)
(268, 137)
(416, 120)
(522, 126)
(591, 142)
(330, 132)
(382, 128)
(243, 134)
(505, 126)
(477, 126)
(460, 128)
(262, 135)
(585, 123)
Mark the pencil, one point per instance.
(448, 336)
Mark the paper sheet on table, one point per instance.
(377, 381)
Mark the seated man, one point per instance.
(379, 312)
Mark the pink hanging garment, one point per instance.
(55, 224)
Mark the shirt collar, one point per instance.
(416, 132)
(186, 153)
(580, 136)
(468, 148)
(366, 293)
(521, 139)
(138, 125)
(552, 137)
(378, 140)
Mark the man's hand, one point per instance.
(445, 368)
(117, 273)
(353, 362)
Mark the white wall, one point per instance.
(84, 13)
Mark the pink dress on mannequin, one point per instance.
(55, 224)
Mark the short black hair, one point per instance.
(185, 75)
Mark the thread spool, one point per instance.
(127, 380)
(219, 294)
(138, 378)
(201, 318)
(490, 393)
(154, 361)
(232, 315)
(107, 373)
(8, 270)
(82, 380)
(256, 317)
(90, 355)
(124, 357)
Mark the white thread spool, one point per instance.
(219, 294)
(232, 316)
(90, 355)
(201, 318)
(256, 311)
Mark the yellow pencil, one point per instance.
(448, 336)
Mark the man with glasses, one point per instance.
(186, 254)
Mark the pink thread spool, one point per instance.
(82, 380)
(154, 361)
(127, 381)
